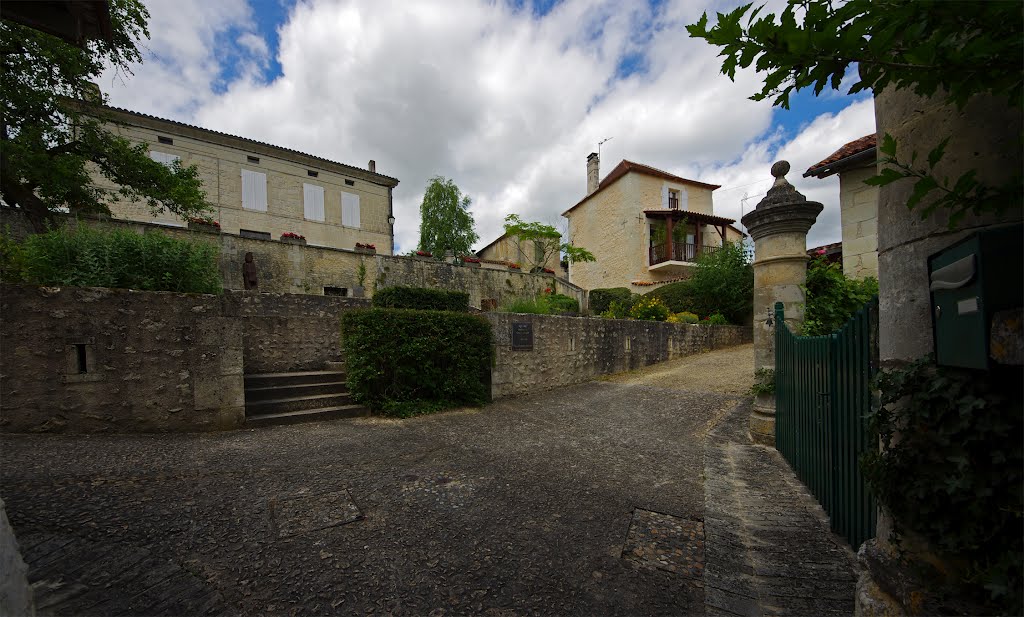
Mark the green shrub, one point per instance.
(535, 306)
(601, 299)
(400, 361)
(684, 317)
(764, 382)
(651, 309)
(84, 256)
(832, 298)
(677, 296)
(618, 310)
(716, 319)
(560, 303)
(723, 282)
(420, 298)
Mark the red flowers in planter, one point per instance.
(514, 266)
(548, 271)
(471, 260)
(289, 234)
(424, 254)
(201, 221)
(360, 245)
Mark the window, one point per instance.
(165, 140)
(253, 159)
(350, 182)
(254, 190)
(312, 174)
(256, 235)
(349, 209)
(673, 200)
(336, 291)
(163, 157)
(313, 202)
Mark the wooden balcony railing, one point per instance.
(680, 252)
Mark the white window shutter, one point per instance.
(664, 197)
(163, 157)
(254, 190)
(684, 199)
(349, 209)
(313, 202)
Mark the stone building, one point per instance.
(643, 225)
(262, 191)
(858, 203)
(526, 253)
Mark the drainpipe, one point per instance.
(391, 219)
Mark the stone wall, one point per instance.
(294, 269)
(571, 350)
(859, 205)
(288, 332)
(90, 359)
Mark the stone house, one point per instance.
(263, 191)
(526, 253)
(858, 203)
(643, 225)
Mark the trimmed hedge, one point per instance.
(678, 296)
(422, 299)
(402, 362)
(601, 299)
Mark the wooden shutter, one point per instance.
(313, 202)
(254, 190)
(163, 157)
(349, 209)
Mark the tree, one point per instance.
(52, 141)
(546, 242)
(933, 47)
(445, 219)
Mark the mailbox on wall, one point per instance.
(970, 281)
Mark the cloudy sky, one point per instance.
(506, 97)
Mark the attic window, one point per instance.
(350, 182)
(165, 140)
(252, 159)
(311, 173)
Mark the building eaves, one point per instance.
(853, 153)
(244, 143)
(626, 166)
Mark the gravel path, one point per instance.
(728, 371)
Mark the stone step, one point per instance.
(266, 380)
(307, 415)
(296, 403)
(268, 393)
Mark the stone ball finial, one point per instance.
(779, 170)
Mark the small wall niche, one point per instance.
(80, 361)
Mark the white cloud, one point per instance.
(507, 105)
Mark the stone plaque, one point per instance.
(522, 336)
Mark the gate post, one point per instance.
(778, 226)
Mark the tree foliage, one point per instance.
(547, 242)
(722, 282)
(832, 297)
(445, 219)
(53, 142)
(953, 49)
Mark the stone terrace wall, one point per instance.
(153, 361)
(480, 283)
(295, 269)
(288, 332)
(570, 350)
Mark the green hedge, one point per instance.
(401, 362)
(678, 296)
(601, 299)
(422, 299)
(84, 256)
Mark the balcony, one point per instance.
(683, 255)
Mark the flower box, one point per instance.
(368, 249)
(210, 227)
(293, 238)
(516, 267)
(471, 262)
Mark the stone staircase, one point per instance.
(299, 396)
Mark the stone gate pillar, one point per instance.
(778, 226)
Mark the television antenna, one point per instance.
(599, 145)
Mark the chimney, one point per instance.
(593, 173)
(373, 166)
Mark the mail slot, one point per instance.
(969, 282)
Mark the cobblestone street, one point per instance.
(581, 501)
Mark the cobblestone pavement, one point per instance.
(768, 546)
(582, 501)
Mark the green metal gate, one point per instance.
(822, 396)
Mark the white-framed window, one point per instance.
(674, 199)
(254, 190)
(349, 209)
(313, 202)
(164, 158)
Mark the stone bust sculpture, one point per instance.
(249, 272)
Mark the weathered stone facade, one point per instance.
(523, 252)
(858, 203)
(221, 159)
(88, 359)
(570, 350)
